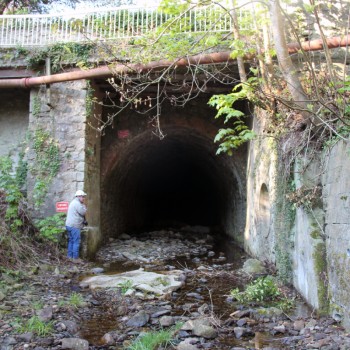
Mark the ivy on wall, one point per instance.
(47, 161)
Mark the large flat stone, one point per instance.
(139, 279)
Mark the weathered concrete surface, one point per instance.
(259, 235)
(278, 232)
(309, 258)
(14, 120)
(336, 199)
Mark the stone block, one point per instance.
(80, 166)
(80, 176)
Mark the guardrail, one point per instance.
(109, 24)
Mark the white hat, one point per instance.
(80, 193)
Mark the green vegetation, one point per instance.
(52, 227)
(18, 236)
(13, 195)
(320, 263)
(37, 305)
(47, 163)
(76, 300)
(232, 138)
(263, 291)
(35, 325)
(125, 286)
(62, 55)
(153, 340)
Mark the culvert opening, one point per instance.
(174, 182)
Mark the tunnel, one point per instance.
(150, 183)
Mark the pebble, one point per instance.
(128, 314)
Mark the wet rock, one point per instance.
(280, 329)
(121, 310)
(268, 312)
(70, 326)
(241, 322)
(134, 257)
(97, 270)
(185, 345)
(160, 313)
(108, 339)
(188, 344)
(138, 320)
(311, 323)
(124, 236)
(166, 321)
(9, 341)
(319, 336)
(202, 330)
(45, 341)
(241, 313)
(25, 337)
(45, 314)
(239, 332)
(253, 267)
(195, 295)
(202, 310)
(75, 344)
(298, 325)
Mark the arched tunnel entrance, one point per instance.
(150, 183)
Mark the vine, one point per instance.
(47, 164)
(62, 54)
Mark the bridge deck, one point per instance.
(106, 25)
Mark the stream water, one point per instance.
(212, 271)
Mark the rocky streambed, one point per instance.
(153, 281)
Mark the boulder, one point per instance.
(253, 267)
(156, 283)
(75, 344)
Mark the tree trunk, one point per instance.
(237, 36)
(289, 71)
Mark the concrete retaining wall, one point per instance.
(336, 199)
(14, 119)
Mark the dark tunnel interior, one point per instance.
(176, 188)
(173, 182)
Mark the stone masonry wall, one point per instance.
(61, 111)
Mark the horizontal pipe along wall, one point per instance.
(150, 183)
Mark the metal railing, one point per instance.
(111, 24)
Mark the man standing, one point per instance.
(74, 223)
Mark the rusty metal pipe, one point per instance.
(108, 71)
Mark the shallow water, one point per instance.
(213, 287)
